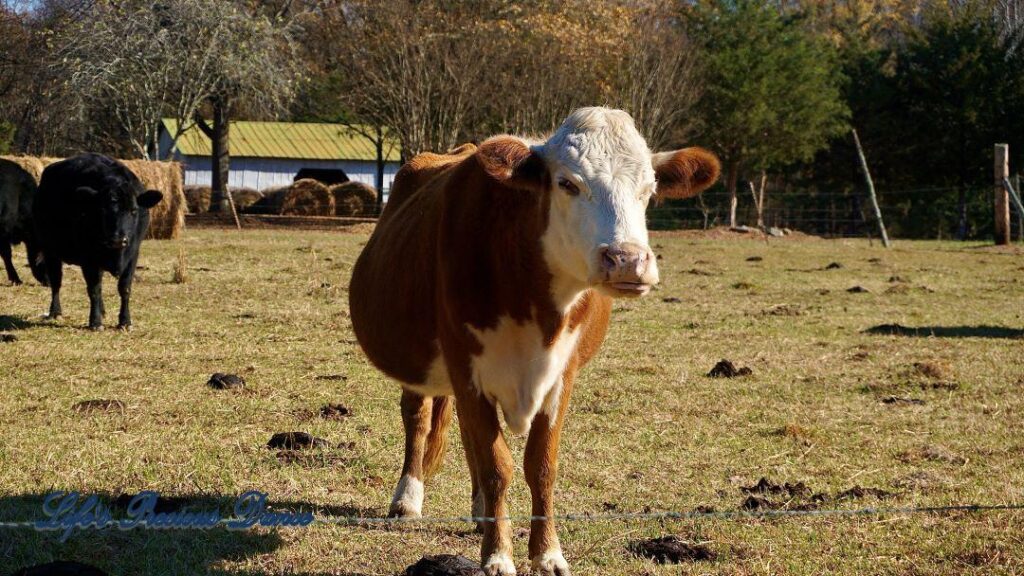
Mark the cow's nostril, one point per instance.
(609, 260)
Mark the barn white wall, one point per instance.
(263, 173)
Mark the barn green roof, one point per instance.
(293, 140)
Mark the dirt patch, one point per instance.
(444, 565)
(922, 480)
(903, 400)
(833, 266)
(60, 569)
(295, 441)
(743, 286)
(783, 310)
(858, 492)
(858, 290)
(765, 486)
(8, 338)
(726, 369)
(726, 233)
(99, 405)
(699, 272)
(221, 381)
(331, 377)
(931, 454)
(932, 370)
(794, 431)
(767, 495)
(671, 550)
(337, 412)
(672, 300)
(754, 259)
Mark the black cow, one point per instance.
(17, 192)
(91, 211)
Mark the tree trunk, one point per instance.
(221, 166)
(961, 225)
(731, 180)
(380, 172)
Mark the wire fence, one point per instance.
(926, 212)
(699, 514)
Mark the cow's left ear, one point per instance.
(510, 161)
(685, 173)
(149, 198)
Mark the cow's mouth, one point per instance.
(626, 289)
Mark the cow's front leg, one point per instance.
(540, 465)
(94, 286)
(5, 253)
(124, 290)
(478, 420)
(408, 499)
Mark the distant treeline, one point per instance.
(773, 87)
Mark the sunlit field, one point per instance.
(927, 411)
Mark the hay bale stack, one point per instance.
(307, 197)
(197, 198)
(166, 219)
(354, 199)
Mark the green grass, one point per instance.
(647, 430)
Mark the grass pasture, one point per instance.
(933, 415)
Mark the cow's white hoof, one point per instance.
(408, 499)
(499, 564)
(550, 563)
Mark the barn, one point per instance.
(270, 154)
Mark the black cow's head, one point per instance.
(118, 210)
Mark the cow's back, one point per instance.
(392, 296)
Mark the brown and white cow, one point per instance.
(489, 279)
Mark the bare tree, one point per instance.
(658, 80)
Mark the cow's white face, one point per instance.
(599, 176)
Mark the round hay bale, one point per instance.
(245, 197)
(354, 199)
(307, 198)
(198, 199)
(167, 218)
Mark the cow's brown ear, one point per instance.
(510, 161)
(685, 173)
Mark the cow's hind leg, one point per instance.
(54, 273)
(94, 286)
(540, 466)
(408, 499)
(478, 419)
(12, 272)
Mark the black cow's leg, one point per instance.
(5, 253)
(36, 262)
(94, 286)
(54, 273)
(124, 289)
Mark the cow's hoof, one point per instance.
(16, 282)
(96, 327)
(499, 565)
(124, 327)
(53, 317)
(551, 564)
(404, 511)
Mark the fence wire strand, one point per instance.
(728, 515)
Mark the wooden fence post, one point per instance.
(871, 190)
(1002, 195)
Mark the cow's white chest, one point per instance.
(518, 372)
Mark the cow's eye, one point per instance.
(569, 186)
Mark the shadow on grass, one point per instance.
(947, 331)
(20, 323)
(145, 551)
